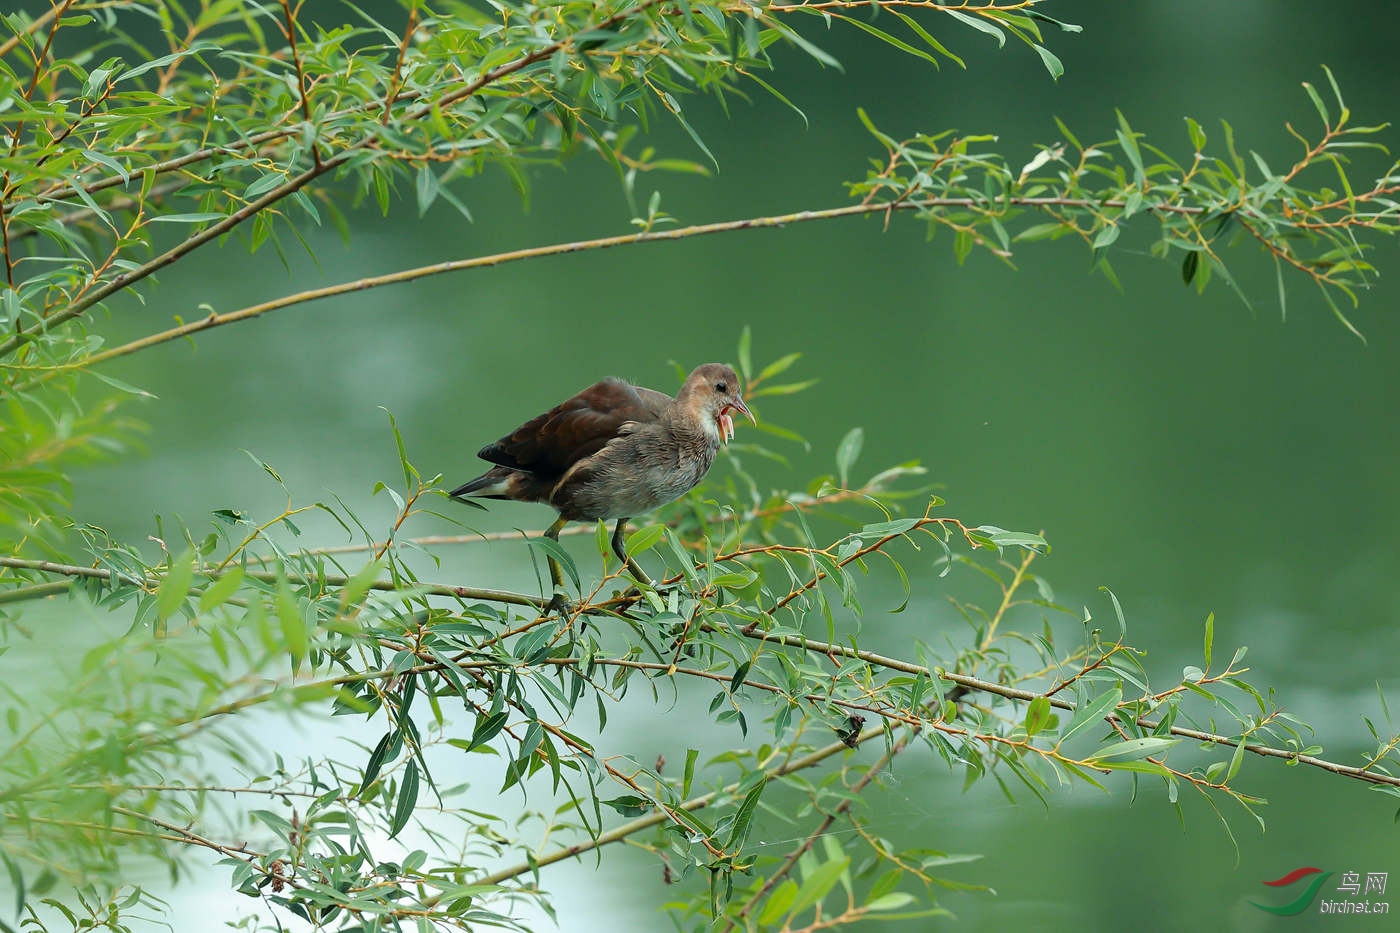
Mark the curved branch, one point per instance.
(577, 246)
(150, 583)
(295, 184)
(39, 22)
(1016, 693)
(695, 803)
(212, 232)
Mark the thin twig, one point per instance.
(39, 22)
(396, 79)
(303, 92)
(1016, 693)
(212, 232)
(695, 803)
(73, 570)
(784, 869)
(18, 133)
(150, 583)
(295, 184)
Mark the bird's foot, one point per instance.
(619, 546)
(639, 574)
(659, 595)
(561, 604)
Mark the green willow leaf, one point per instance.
(407, 799)
(1131, 750)
(1092, 713)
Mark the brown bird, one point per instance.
(613, 451)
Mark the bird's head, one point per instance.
(711, 392)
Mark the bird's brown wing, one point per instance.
(577, 428)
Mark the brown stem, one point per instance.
(542, 53)
(396, 80)
(695, 803)
(295, 184)
(966, 5)
(821, 829)
(39, 22)
(433, 589)
(214, 231)
(302, 90)
(556, 249)
(15, 135)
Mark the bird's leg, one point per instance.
(556, 576)
(559, 602)
(620, 549)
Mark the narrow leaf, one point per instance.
(745, 354)
(1052, 63)
(847, 451)
(408, 798)
(743, 820)
(818, 884)
(224, 587)
(1132, 750)
(1092, 712)
(173, 589)
(1210, 636)
(293, 626)
(980, 25)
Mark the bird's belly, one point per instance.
(610, 493)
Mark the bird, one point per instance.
(613, 451)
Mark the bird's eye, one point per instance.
(721, 387)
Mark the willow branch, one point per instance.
(782, 871)
(1268, 751)
(17, 133)
(1016, 693)
(541, 54)
(262, 143)
(979, 9)
(74, 570)
(303, 92)
(295, 184)
(37, 591)
(431, 589)
(212, 232)
(39, 22)
(582, 528)
(695, 803)
(577, 246)
(795, 641)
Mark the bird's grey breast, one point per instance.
(643, 468)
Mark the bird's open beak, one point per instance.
(726, 423)
(739, 404)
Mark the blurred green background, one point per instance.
(1190, 455)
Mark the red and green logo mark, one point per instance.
(1302, 901)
